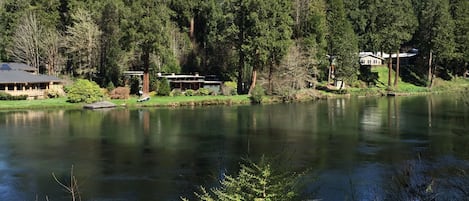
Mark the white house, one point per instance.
(370, 59)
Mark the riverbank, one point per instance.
(380, 89)
(156, 101)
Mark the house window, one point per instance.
(2, 87)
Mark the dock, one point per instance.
(99, 105)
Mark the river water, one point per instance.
(351, 149)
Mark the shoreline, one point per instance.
(201, 101)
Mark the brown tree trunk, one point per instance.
(191, 28)
(253, 81)
(146, 74)
(389, 70)
(270, 79)
(396, 78)
(430, 80)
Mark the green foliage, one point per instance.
(255, 181)
(110, 86)
(84, 91)
(395, 23)
(257, 94)
(7, 96)
(229, 88)
(203, 92)
(176, 92)
(342, 42)
(134, 85)
(53, 93)
(189, 92)
(163, 87)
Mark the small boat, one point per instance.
(147, 98)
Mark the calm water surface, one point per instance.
(351, 147)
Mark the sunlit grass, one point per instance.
(184, 100)
(38, 104)
(131, 102)
(401, 87)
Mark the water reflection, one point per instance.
(352, 145)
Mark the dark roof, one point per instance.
(15, 76)
(16, 66)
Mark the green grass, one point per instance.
(155, 101)
(38, 104)
(184, 101)
(402, 87)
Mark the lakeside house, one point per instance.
(20, 79)
(370, 59)
(194, 82)
(376, 59)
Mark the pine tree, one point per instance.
(396, 24)
(436, 34)
(342, 42)
(255, 181)
(260, 32)
(461, 18)
(146, 32)
(109, 68)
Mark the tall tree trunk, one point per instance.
(240, 87)
(389, 70)
(270, 90)
(146, 72)
(430, 74)
(191, 28)
(253, 81)
(396, 78)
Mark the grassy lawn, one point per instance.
(38, 104)
(184, 100)
(131, 102)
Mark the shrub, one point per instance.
(20, 97)
(255, 181)
(110, 86)
(189, 92)
(53, 93)
(120, 93)
(134, 85)
(7, 96)
(203, 92)
(229, 89)
(176, 92)
(163, 87)
(84, 91)
(257, 94)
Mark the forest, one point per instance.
(280, 44)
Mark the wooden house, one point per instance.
(21, 79)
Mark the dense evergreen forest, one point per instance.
(280, 44)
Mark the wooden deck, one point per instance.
(99, 105)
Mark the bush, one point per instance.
(120, 93)
(7, 96)
(229, 89)
(189, 92)
(257, 94)
(176, 92)
(203, 92)
(53, 93)
(163, 87)
(110, 86)
(84, 91)
(255, 181)
(134, 85)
